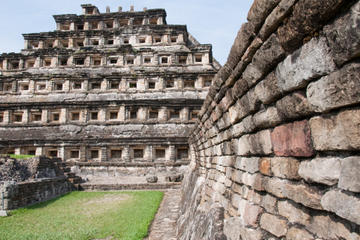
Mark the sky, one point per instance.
(209, 21)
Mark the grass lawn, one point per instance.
(21, 156)
(84, 215)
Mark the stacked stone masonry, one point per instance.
(275, 153)
(122, 87)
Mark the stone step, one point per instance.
(138, 186)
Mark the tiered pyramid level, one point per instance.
(105, 87)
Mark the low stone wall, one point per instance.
(127, 170)
(275, 154)
(16, 195)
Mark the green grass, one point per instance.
(20, 156)
(84, 215)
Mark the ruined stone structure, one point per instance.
(275, 154)
(122, 87)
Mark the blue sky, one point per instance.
(210, 21)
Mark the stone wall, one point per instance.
(23, 194)
(275, 154)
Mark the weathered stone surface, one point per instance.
(253, 180)
(293, 106)
(292, 213)
(245, 126)
(326, 228)
(275, 18)
(303, 194)
(335, 201)
(275, 186)
(285, 167)
(259, 143)
(339, 89)
(321, 170)
(292, 139)
(344, 37)
(252, 74)
(273, 224)
(268, 55)
(339, 132)
(268, 202)
(310, 61)
(175, 177)
(250, 165)
(266, 118)
(295, 233)
(151, 179)
(260, 10)
(349, 175)
(267, 90)
(307, 17)
(250, 215)
(239, 88)
(234, 230)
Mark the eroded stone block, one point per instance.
(274, 224)
(292, 139)
(350, 174)
(321, 170)
(339, 89)
(339, 132)
(312, 60)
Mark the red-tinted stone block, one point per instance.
(293, 139)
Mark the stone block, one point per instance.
(252, 74)
(273, 224)
(226, 161)
(268, 55)
(303, 194)
(343, 35)
(266, 118)
(245, 126)
(295, 233)
(293, 213)
(292, 106)
(268, 202)
(235, 230)
(306, 18)
(285, 167)
(251, 215)
(232, 228)
(327, 228)
(338, 89)
(343, 205)
(267, 90)
(260, 10)
(276, 18)
(321, 170)
(236, 176)
(292, 139)
(256, 144)
(253, 180)
(339, 132)
(275, 186)
(350, 174)
(250, 165)
(239, 88)
(312, 60)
